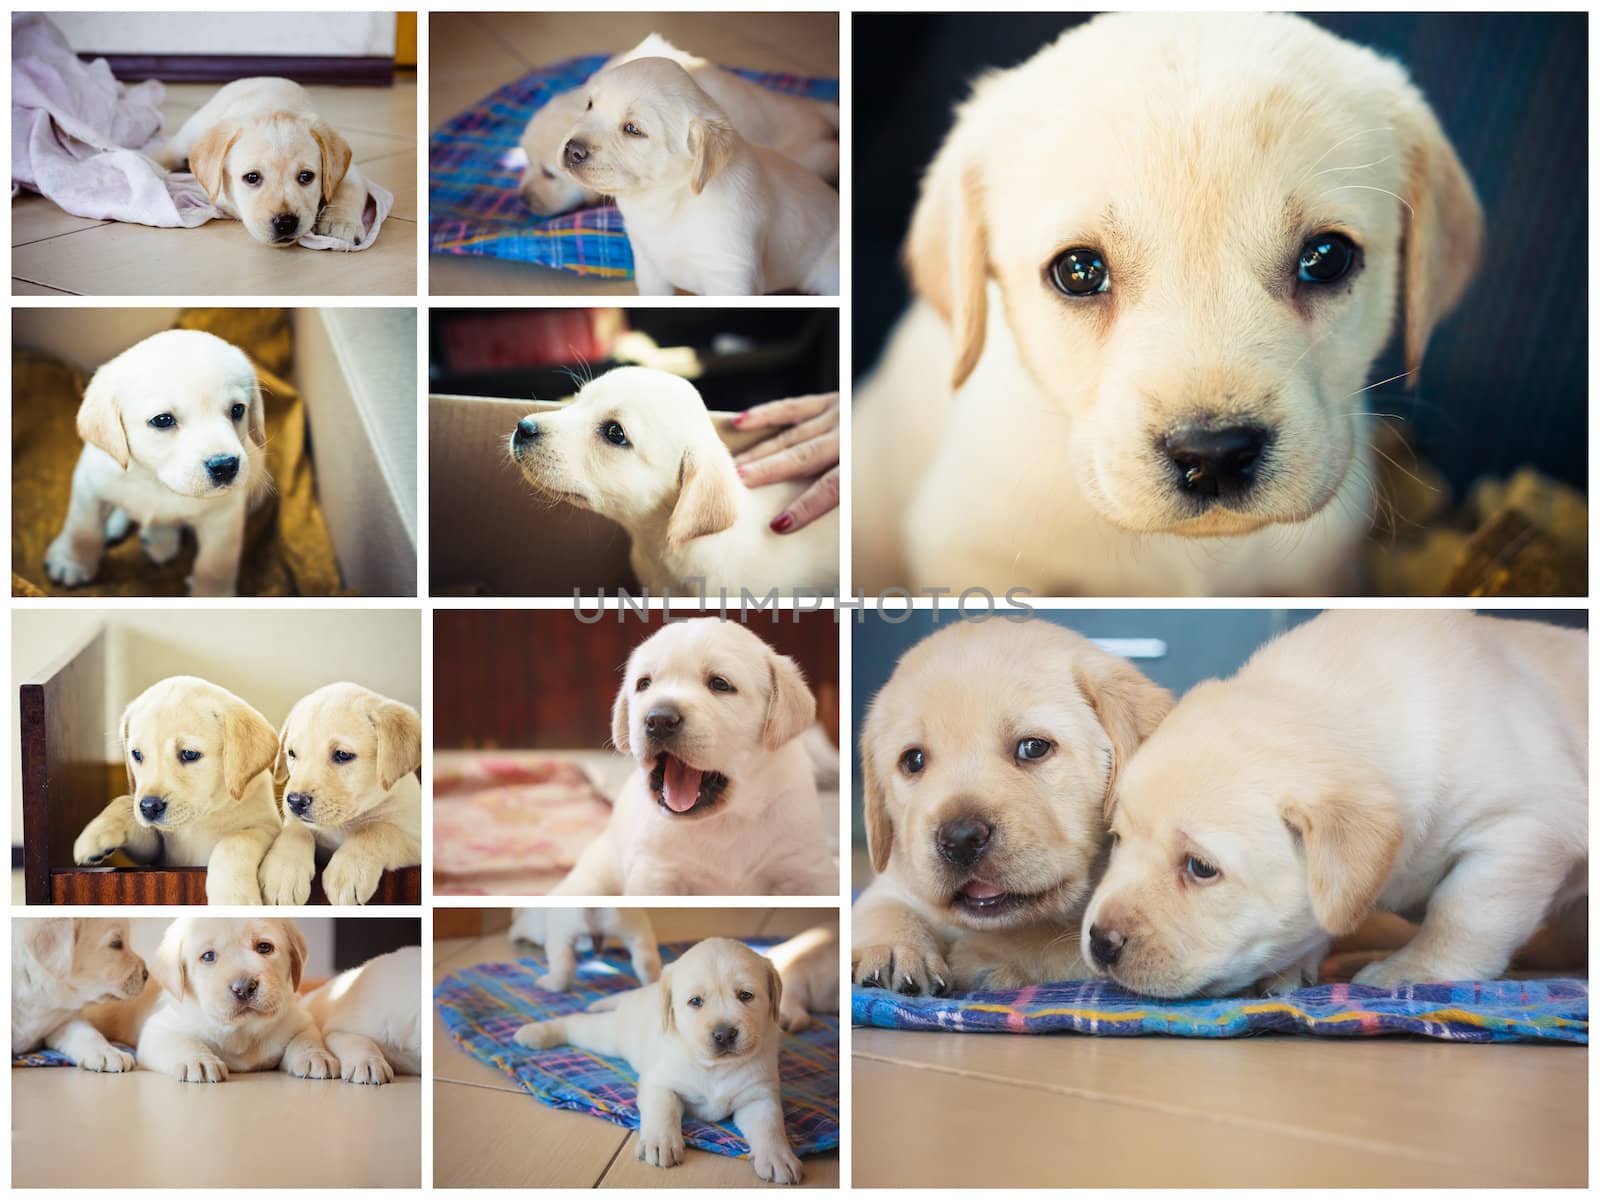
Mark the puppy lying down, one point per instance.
(371, 1017)
(638, 446)
(1432, 764)
(59, 965)
(704, 1040)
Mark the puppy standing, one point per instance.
(347, 759)
(58, 966)
(704, 1041)
(266, 158)
(638, 447)
(725, 799)
(371, 1017)
(559, 929)
(706, 210)
(199, 763)
(174, 435)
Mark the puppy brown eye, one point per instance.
(290, 753)
(695, 1001)
(589, 107)
(343, 756)
(253, 178)
(644, 682)
(614, 433)
(188, 756)
(1198, 868)
(718, 684)
(632, 130)
(162, 421)
(746, 996)
(116, 943)
(913, 760)
(209, 956)
(1080, 272)
(237, 412)
(1326, 258)
(264, 948)
(305, 178)
(137, 757)
(1032, 749)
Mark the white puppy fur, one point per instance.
(347, 760)
(706, 210)
(199, 763)
(806, 131)
(371, 1017)
(704, 1040)
(808, 964)
(724, 801)
(1431, 764)
(1190, 422)
(267, 159)
(58, 966)
(174, 435)
(559, 930)
(638, 446)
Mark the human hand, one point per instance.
(807, 449)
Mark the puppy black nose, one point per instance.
(527, 431)
(574, 152)
(299, 803)
(963, 841)
(245, 986)
(151, 807)
(1217, 463)
(662, 721)
(725, 1036)
(1105, 945)
(285, 224)
(222, 468)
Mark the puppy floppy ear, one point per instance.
(875, 799)
(249, 746)
(127, 756)
(295, 944)
(51, 940)
(100, 417)
(335, 158)
(210, 154)
(791, 707)
(280, 764)
(257, 427)
(1351, 838)
(711, 146)
(1444, 226)
(619, 719)
(706, 499)
(1128, 706)
(947, 251)
(668, 1021)
(167, 966)
(774, 990)
(399, 741)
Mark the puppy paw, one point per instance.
(286, 878)
(909, 970)
(374, 1070)
(1397, 971)
(161, 543)
(65, 568)
(314, 1064)
(350, 880)
(232, 891)
(100, 839)
(336, 226)
(776, 1164)
(541, 1035)
(660, 1148)
(117, 526)
(202, 1068)
(554, 981)
(110, 1060)
(793, 1018)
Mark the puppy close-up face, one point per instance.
(721, 998)
(184, 405)
(702, 705)
(646, 124)
(635, 444)
(191, 749)
(89, 955)
(276, 171)
(1200, 229)
(237, 969)
(545, 186)
(987, 760)
(342, 749)
(1240, 845)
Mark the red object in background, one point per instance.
(548, 337)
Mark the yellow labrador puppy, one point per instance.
(808, 964)
(347, 759)
(58, 966)
(1431, 764)
(174, 436)
(199, 763)
(987, 762)
(704, 1040)
(371, 1017)
(266, 158)
(559, 930)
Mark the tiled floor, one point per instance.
(488, 1133)
(54, 253)
(472, 54)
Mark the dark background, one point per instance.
(1505, 379)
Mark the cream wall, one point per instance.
(256, 33)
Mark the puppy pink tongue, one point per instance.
(979, 890)
(681, 784)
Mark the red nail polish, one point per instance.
(782, 522)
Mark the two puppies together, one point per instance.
(202, 765)
(1417, 763)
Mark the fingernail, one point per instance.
(782, 522)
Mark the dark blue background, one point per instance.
(1505, 379)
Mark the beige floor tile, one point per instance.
(467, 275)
(450, 1061)
(487, 1139)
(398, 173)
(465, 63)
(75, 1128)
(701, 1169)
(33, 219)
(26, 287)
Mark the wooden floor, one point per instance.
(488, 1133)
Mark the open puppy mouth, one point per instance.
(984, 901)
(683, 790)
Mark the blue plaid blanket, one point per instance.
(1543, 1010)
(484, 1006)
(45, 1057)
(475, 162)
